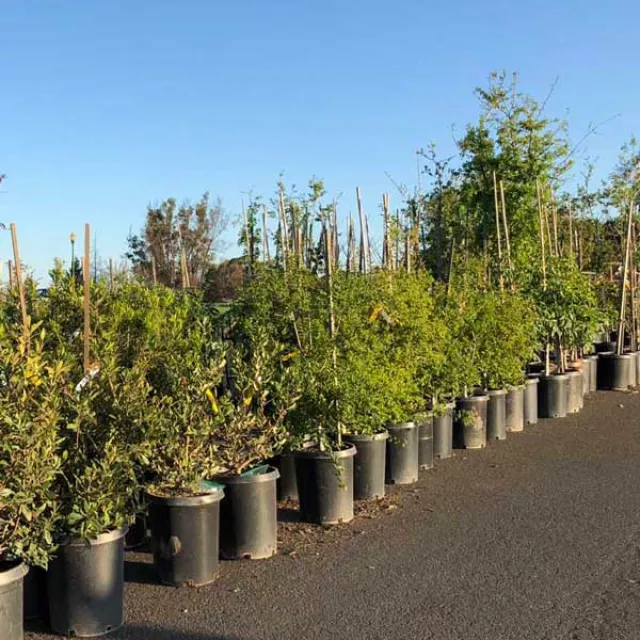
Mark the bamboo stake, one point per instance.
(10, 267)
(111, 272)
(247, 239)
(328, 247)
(506, 226)
(407, 252)
(87, 296)
(633, 283)
(623, 296)
(570, 213)
(335, 234)
(544, 270)
(554, 217)
(284, 230)
(154, 276)
(451, 255)
(363, 242)
(497, 210)
(397, 253)
(265, 236)
(18, 267)
(368, 242)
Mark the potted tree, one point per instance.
(30, 418)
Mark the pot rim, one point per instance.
(532, 380)
(12, 575)
(186, 501)
(495, 392)
(103, 538)
(269, 476)
(397, 426)
(484, 398)
(349, 452)
(613, 355)
(363, 437)
(555, 376)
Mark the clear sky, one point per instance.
(107, 105)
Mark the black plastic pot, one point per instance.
(369, 464)
(633, 369)
(402, 453)
(185, 537)
(443, 433)
(530, 400)
(515, 409)
(286, 485)
(85, 586)
(593, 373)
(11, 600)
(249, 516)
(497, 414)
(137, 535)
(35, 594)
(425, 441)
(575, 398)
(552, 396)
(613, 371)
(470, 424)
(325, 485)
(535, 368)
(603, 347)
(586, 376)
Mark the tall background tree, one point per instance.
(171, 229)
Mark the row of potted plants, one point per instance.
(182, 414)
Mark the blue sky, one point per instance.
(108, 105)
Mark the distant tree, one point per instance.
(223, 281)
(196, 228)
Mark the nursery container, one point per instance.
(85, 586)
(530, 400)
(470, 425)
(633, 369)
(425, 441)
(552, 395)
(402, 453)
(586, 376)
(369, 464)
(515, 408)
(603, 347)
(497, 414)
(575, 399)
(35, 594)
(185, 537)
(535, 368)
(443, 432)
(137, 534)
(592, 360)
(325, 485)
(11, 600)
(249, 515)
(613, 371)
(286, 485)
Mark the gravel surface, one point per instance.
(532, 538)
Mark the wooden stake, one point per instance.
(623, 296)
(154, 275)
(363, 242)
(284, 230)
(554, 217)
(386, 258)
(18, 266)
(111, 272)
(544, 259)
(497, 210)
(570, 213)
(10, 267)
(334, 234)
(265, 236)
(506, 226)
(87, 296)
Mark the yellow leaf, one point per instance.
(376, 312)
(248, 400)
(212, 399)
(288, 356)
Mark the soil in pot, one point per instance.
(613, 371)
(443, 432)
(575, 398)
(85, 586)
(369, 464)
(497, 414)
(249, 514)
(325, 485)
(425, 441)
(470, 424)
(530, 400)
(515, 409)
(552, 396)
(11, 599)
(35, 594)
(402, 453)
(185, 537)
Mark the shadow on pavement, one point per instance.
(140, 572)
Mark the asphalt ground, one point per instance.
(536, 537)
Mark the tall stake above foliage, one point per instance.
(623, 285)
(16, 256)
(87, 294)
